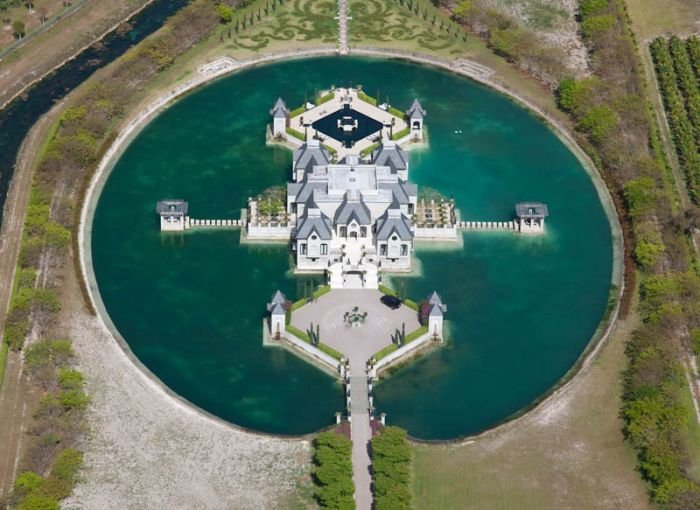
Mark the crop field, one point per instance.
(677, 64)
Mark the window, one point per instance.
(324, 249)
(302, 249)
(343, 231)
(404, 250)
(382, 250)
(363, 231)
(394, 238)
(314, 237)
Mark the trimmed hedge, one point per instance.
(367, 99)
(383, 353)
(387, 290)
(298, 333)
(297, 111)
(324, 99)
(401, 134)
(296, 134)
(411, 304)
(330, 351)
(416, 334)
(391, 469)
(333, 471)
(322, 291)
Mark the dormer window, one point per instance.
(394, 238)
(314, 237)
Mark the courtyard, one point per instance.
(356, 343)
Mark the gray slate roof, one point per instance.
(306, 191)
(402, 190)
(531, 210)
(314, 220)
(277, 299)
(438, 308)
(277, 309)
(353, 208)
(394, 221)
(311, 154)
(280, 109)
(173, 207)
(416, 111)
(391, 155)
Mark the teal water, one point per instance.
(521, 309)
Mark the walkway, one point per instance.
(361, 435)
(343, 27)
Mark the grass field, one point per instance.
(662, 17)
(568, 454)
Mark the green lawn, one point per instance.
(691, 434)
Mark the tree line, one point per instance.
(616, 126)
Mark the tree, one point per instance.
(18, 29)
(225, 13)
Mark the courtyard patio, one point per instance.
(370, 333)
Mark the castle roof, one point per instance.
(393, 221)
(277, 309)
(310, 154)
(279, 109)
(353, 208)
(172, 207)
(312, 221)
(416, 111)
(531, 210)
(391, 155)
(278, 299)
(403, 191)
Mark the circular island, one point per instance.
(522, 309)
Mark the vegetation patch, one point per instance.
(333, 471)
(391, 469)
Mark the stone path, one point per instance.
(361, 435)
(343, 27)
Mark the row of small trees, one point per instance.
(333, 471)
(49, 468)
(633, 163)
(391, 469)
(679, 89)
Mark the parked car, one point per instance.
(391, 301)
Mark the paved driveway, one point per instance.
(360, 343)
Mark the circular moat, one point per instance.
(190, 306)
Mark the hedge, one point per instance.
(333, 471)
(330, 351)
(296, 134)
(298, 304)
(298, 333)
(297, 111)
(369, 150)
(411, 304)
(401, 134)
(367, 99)
(386, 290)
(383, 353)
(321, 291)
(397, 113)
(391, 469)
(325, 99)
(416, 334)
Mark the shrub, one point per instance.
(225, 13)
(333, 471)
(383, 353)
(595, 25)
(391, 464)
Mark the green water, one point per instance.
(521, 309)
